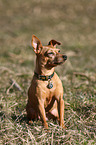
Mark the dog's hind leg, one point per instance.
(31, 113)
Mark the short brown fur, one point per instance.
(44, 102)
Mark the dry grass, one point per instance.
(74, 24)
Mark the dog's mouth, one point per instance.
(53, 64)
(57, 61)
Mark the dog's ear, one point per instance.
(36, 43)
(54, 43)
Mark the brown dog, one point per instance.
(45, 95)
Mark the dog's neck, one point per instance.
(42, 70)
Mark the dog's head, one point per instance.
(48, 56)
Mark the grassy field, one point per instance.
(71, 22)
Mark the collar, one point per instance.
(43, 78)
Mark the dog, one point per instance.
(45, 94)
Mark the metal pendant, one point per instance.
(50, 85)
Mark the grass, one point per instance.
(73, 23)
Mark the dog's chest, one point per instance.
(49, 98)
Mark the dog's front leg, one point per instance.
(42, 114)
(61, 112)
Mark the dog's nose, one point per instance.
(65, 57)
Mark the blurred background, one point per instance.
(73, 23)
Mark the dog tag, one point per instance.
(50, 85)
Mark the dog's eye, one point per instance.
(51, 53)
(58, 51)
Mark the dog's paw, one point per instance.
(64, 127)
(45, 125)
(31, 122)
